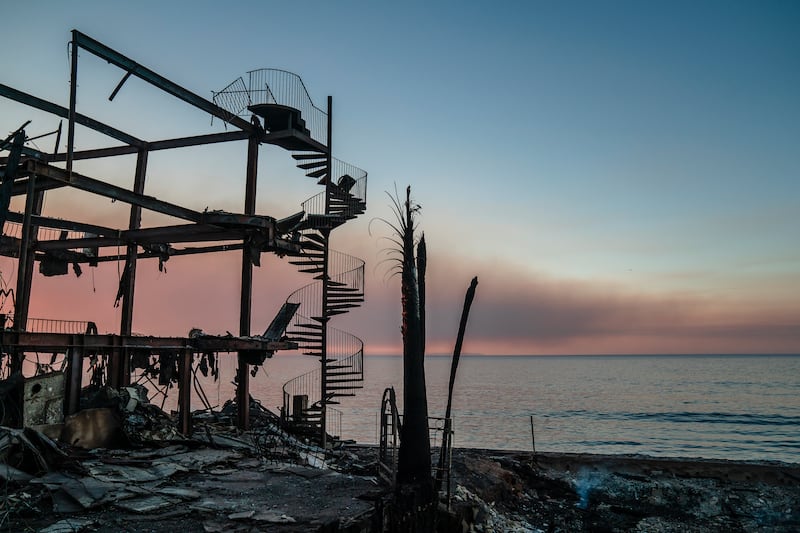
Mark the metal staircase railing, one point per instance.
(274, 86)
(341, 356)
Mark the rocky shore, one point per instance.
(507, 491)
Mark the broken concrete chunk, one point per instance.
(177, 492)
(274, 518)
(145, 505)
(69, 525)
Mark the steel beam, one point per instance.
(69, 225)
(63, 112)
(33, 341)
(113, 151)
(88, 184)
(128, 65)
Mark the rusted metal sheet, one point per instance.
(43, 400)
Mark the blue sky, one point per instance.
(622, 176)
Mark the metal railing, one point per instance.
(49, 325)
(344, 350)
(14, 229)
(274, 86)
(354, 200)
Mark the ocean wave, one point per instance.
(684, 417)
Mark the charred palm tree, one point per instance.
(414, 459)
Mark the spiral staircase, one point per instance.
(338, 288)
(291, 120)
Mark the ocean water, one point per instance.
(724, 407)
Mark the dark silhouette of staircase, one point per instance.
(291, 120)
(339, 287)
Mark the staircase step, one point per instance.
(317, 173)
(341, 288)
(298, 157)
(308, 325)
(311, 245)
(315, 237)
(334, 313)
(313, 164)
(311, 270)
(336, 307)
(344, 300)
(293, 338)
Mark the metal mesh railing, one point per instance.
(49, 325)
(234, 98)
(274, 86)
(344, 351)
(14, 229)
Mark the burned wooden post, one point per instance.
(462, 326)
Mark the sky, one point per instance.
(621, 176)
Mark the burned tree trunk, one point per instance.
(414, 460)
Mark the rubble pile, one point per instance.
(571, 492)
(120, 465)
(218, 480)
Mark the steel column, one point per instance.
(185, 391)
(25, 264)
(325, 282)
(74, 378)
(245, 308)
(73, 96)
(128, 291)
